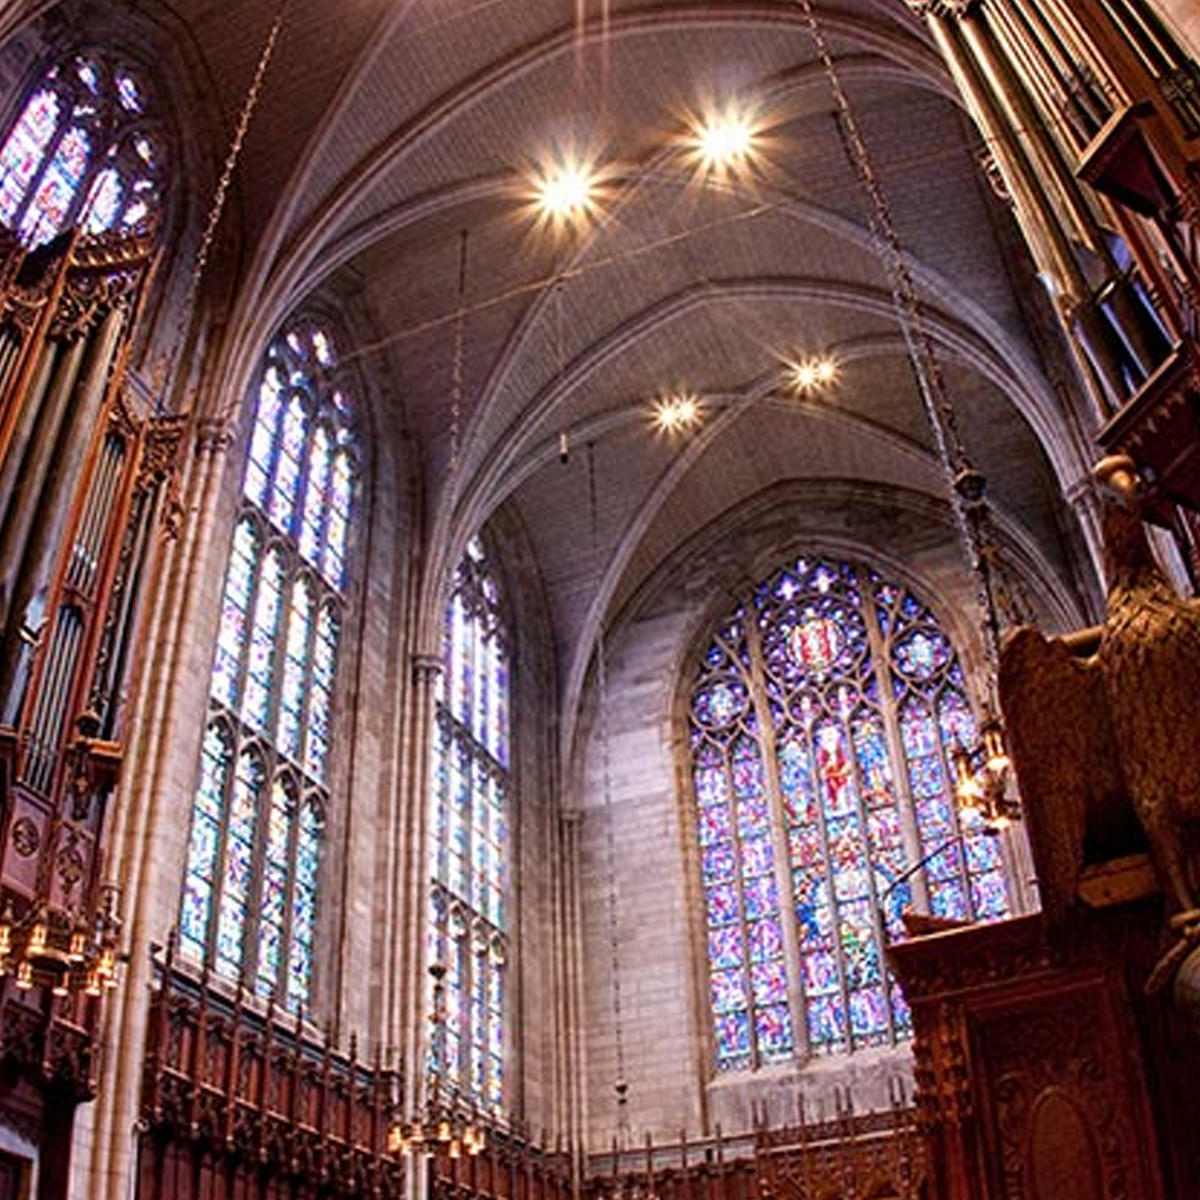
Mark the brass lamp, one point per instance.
(48, 947)
(440, 1126)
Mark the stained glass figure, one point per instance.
(83, 152)
(469, 834)
(250, 891)
(822, 718)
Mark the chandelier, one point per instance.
(62, 951)
(981, 779)
(443, 1124)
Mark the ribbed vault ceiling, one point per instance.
(390, 131)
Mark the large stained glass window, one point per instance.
(84, 151)
(250, 892)
(469, 841)
(823, 717)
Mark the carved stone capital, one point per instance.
(214, 435)
(427, 669)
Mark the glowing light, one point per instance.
(566, 191)
(724, 142)
(811, 374)
(675, 413)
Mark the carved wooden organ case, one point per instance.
(84, 492)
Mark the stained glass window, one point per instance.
(83, 151)
(469, 835)
(250, 893)
(823, 717)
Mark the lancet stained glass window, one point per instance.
(822, 721)
(469, 835)
(85, 150)
(250, 893)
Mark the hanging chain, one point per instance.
(217, 206)
(621, 1083)
(564, 434)
(966, 485)
(456, 384)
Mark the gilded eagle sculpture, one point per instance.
(1093, 736)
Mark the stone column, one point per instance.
(151, 815)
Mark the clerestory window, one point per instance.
(250, 894)
(469, 835)
(84, 151)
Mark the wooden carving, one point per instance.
(1098, 735)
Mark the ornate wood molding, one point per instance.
(250, 1093)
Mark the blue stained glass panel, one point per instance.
(723, 905)
(732, 1032)
(922, 653)
(202, 853)
(752, 816)
(57, 187)
(104, 201)
(826, 1022)
(725, 946)
(884, 833)
(870, 751)
(728, 991)
(712, 786)
(821, 973)
(718, 863)
(919, 731)
(714, 825)
(747, 769)
(757, 857)
(860, 949)
(193, 927)
(769, 983)
(766, 940)
(773, 1027)
(25, 149)
(926, 777)
(982, 851)
(948, 899)
(989, 895)
(956, 719)
(720, 703)
(761, 897)
(869, 1014)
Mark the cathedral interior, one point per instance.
(596, 599)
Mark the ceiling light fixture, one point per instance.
(676, 413)
(724, 142)
(566, 192)
(809, 375)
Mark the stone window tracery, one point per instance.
(822, 720)
(250, 892)
(84, 151)
(470, 835)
